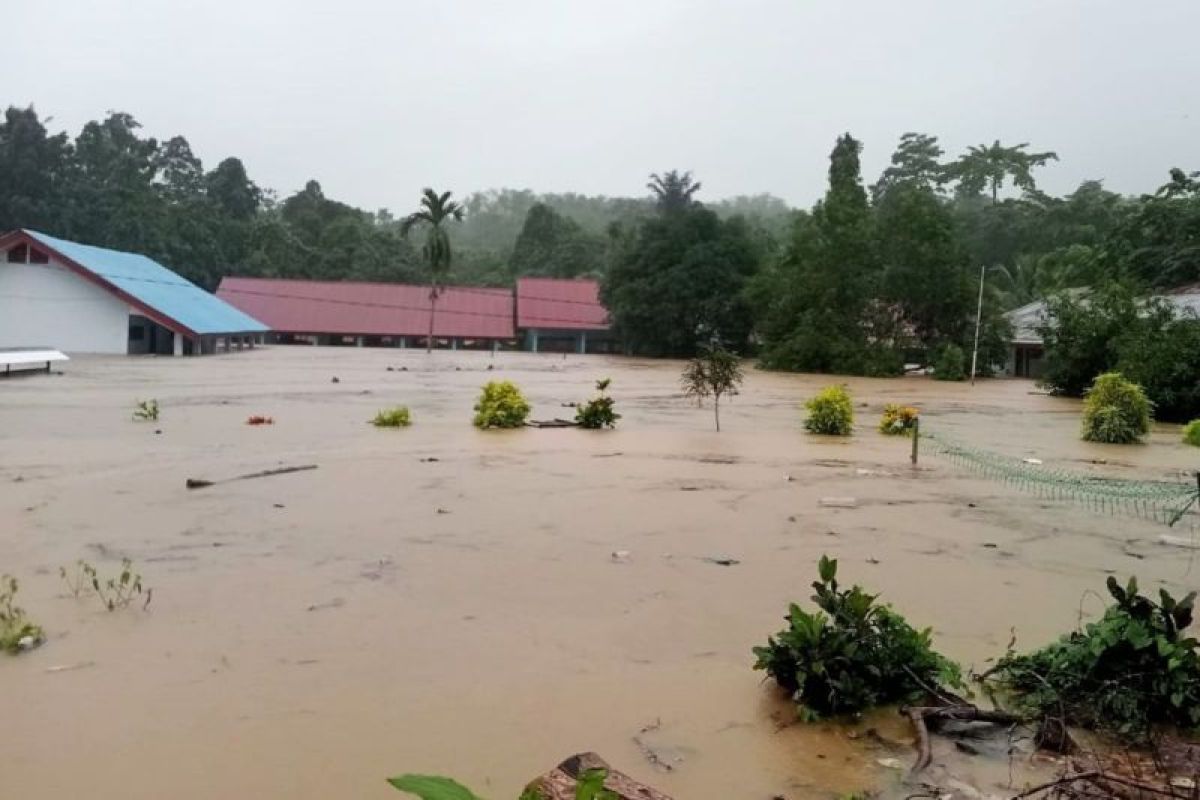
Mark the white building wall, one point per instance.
(48, 305)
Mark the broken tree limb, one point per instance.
(959, 713)
(200, 483)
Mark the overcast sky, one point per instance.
(377, 99)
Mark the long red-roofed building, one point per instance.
(543, 313)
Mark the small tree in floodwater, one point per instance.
(712, 373)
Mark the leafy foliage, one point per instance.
(598, 412)
(852, 654)
(146, 410)
(951, 364)
(989, 166)
(116, 592)
(830, 412)
(1191, 433)
(15, 626)
(1115, 411)
(898, 420)
(712, 373)
(1130, 670)
(501, 405)
(397, 417)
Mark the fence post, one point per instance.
(916, 437)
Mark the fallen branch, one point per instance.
(200, 483)
(959, 713)
(1100, 778)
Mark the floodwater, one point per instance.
(441, 599)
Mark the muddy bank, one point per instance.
(313, 633)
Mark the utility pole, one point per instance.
(978, 321)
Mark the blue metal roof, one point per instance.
(155, 286)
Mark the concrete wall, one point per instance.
(47, 304)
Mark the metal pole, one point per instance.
(978, 320)
(916, 437)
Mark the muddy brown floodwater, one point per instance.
(440, 599)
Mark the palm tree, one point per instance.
(673, 191)
(435, 210)
(988, 166)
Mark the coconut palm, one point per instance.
(436, 210)
(673, 190)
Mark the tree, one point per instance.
(819, 308)
(989, 166)
(33, 167)
(436, 210)
(673, 190)
(232, 190)
(914, 163)
(712, 373)
(554, 245)
(677, 278)
(1158, 242)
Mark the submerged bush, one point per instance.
(898, 420)
(1130, 670)
(397, 417)
(950, 364)
(17, 633)
(598, 412)
(1115, 411)
(831, 412)
(501, 405)
(852, 654)
(1191, 433)
(146, 410)
(588, 786)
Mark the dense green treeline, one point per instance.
(874, 276)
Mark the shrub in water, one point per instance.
(17, 633)
(598, 412)
(852, 654)
(501, 405)
(397, 417)
(898, 420)
(1191, 433)
(830, 413)
(950, 364)
(1115, 411)
(1132, 669)
(146, 410)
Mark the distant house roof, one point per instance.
(1027, 320)
(371, 309)
(146, 285)
(572, 304)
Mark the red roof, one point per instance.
(371, 309)
(559, 303)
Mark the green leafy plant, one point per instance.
(397, 417)
(712, 373)
(1191, 433)
(831, 412)
(598, 412)
(950, 364)
(1130, 670)
(898, 420)
(852, 654)
(116, 592)
(17, 633)
(146, 410)
(589, 786)
(501, 405)
(1115, 411)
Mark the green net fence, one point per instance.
(1167, 502)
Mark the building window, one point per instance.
(38, 257)
(18, 254)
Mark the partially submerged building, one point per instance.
(1027, 346)
(374, 314)
(562, 315)
(79, 298)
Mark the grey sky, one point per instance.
(376, 99)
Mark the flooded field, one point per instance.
(440, 599)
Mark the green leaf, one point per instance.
(591, 785)
(827, 568)
(432, 787)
